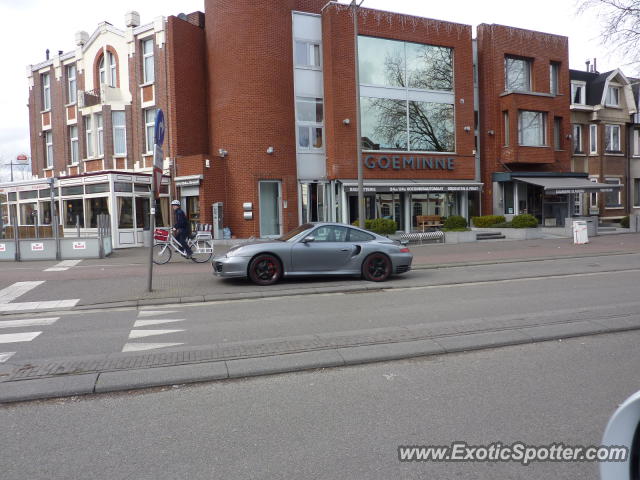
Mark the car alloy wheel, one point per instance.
(376, 267)
(265, 269)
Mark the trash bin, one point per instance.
(580, 234)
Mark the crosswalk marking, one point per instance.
(17, 289)
(18, 337)
(149, 333)
(50, 304)
(138, 347)
(148, 323)
(29, 322)
(62, 266)
(151, 313)
(6, 356)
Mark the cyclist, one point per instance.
(181, 228)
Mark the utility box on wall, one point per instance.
(218, 221)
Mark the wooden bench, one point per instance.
(429, 222)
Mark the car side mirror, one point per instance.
(309, 238)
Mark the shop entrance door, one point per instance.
(270, 224)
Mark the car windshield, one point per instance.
(293, 234)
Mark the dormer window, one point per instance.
(578, 93)
(613, 96)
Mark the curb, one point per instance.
(147, 370)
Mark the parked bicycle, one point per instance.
(165, 243)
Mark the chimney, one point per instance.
(588, 63)
(595, 66)
(47, 54)
(82, 38)
(132, 19)
(60, 52)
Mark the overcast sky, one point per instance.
(29, 27)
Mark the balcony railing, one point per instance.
(89, 98)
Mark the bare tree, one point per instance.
(620, 21)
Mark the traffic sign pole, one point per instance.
(158, 158)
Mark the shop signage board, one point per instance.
(37, 247)
(79, 245)
(415, 188)
(3, 247)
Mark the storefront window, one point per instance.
(72, 190)
(95, 207)
(444, 204)
(28, 212)
(125, 212)
(162, 213)
(142, 213)
(97, 188)
(45, 213)
(122, 187)
(508, 198)
(28, 195)
(193, 210)
(74, 212)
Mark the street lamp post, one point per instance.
(355, 6)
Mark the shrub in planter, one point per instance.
(624, 223)
(524, 221)
(381, 226)
(487, 221)
(455, 222)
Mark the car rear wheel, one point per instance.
(265, 269)
(376, 267)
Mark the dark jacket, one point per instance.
(181, 221)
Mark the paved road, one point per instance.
(457, 299)
(336, 423)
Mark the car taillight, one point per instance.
(404, 250)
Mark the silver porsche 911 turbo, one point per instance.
(316, 249)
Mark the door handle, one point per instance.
(345, 249)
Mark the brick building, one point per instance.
(260, 106)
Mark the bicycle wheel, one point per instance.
(202, 251)
(161, 253)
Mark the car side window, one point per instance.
(358, 236)
(330, 233)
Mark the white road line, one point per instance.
(62, 266)
(17, 289)
(18, 337)
(149, 333)
(29, 322)
(49, 305)
(138, 347)
(151, 313)
(148, 323)
(6, 356)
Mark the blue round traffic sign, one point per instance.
(159, 127)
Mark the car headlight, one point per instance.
(235, 252)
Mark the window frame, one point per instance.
(576, 132)
(149, 127)
(310, 50)
(610, 90)
(148, 74)
(119, 129)
(575, 84)
(609, 130)
(72, 83)
(618, 192)
(528, 64)
(99, 127)
(46, 90)
(593, 139)
(48, 148)
(88, 135)
(543, 129)
(557, 133)
(507, 128)
(310, 126)
(554, 78)
(74, 145)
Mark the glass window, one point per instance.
(148, 71)
(95, 207)
(113, 69)
(45, 213)
(68, 191)
(88, 132)
(531, 128)
(613, 96)
(73, 140)
(431, 127)
(508, 198)
(74, 212)
(46, 91)
(96, 188)
(517, 74)
(429, 67)
(636, 192)
(578, 93)
(71, 84)
(142, 188)
(557, 133)
(48, 141)
(593, 139)
(554, 71)
(309, 109)
(330, 233)
(142, 213)
(99, 135)
(28, 213)
(307, 54)
(309, 115)
(13, 196)
(505, 121)
(384, 124)
(577, 139)
(612, 138)
(149, 123)
(28, 195)
(119, 133)
(162, 213)
(613, 199)
(381, 62)
(358, 236)
(125, 212)
(101, 71)
(636, 142)
(122, 187)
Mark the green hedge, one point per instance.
(524, 221)
(381, 226)
(455, 221)
(624, 223)
(487, 221)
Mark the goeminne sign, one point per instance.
(409, 163)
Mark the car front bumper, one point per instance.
(230, 266)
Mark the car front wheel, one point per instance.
(265, 269)
(376, 267)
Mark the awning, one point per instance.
(413, 186)
(560, 185)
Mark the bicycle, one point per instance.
(165, 244)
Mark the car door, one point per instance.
(327, 252)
